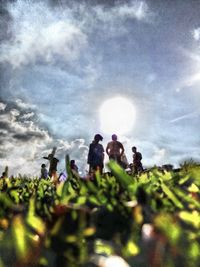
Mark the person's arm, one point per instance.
(122, 150)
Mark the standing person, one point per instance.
(73, 166)
(96, 155)
(53, 163)
(3, 175)
(137, 164)
(44, 172)
(115, 149)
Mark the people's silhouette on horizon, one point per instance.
(115, 150)
(44, 172)
(96, 155)
(73, 166)
(3, 175)
(137, 164)
(52, 162)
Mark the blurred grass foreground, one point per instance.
(146, 220)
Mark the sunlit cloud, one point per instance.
(196, 34)
(40, 36)
(133, 10)
(2, 106)
(192, 80)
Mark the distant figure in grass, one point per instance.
(3, 175)
(53, 162)
(73, 166)
(137, 164)
(96, 155)
(44, 172)
(115, 150)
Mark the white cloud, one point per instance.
(2, 106)
(196, 34)
(111, 20)
(133, 10)
(14, 113)
(28, 115)
(192, 80)
(40, 33)
(23, 105)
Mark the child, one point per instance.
(44, 172)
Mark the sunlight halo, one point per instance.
(117, 115)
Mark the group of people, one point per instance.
(114, 149)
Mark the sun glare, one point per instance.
(117, 115)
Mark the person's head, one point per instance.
(43, 165)
(134, 149)
(98, 137)
(114, 137)
(72, 162)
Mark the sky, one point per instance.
(61, 60)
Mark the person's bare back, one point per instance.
(115, 149)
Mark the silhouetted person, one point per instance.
(137, 164)
(3, 175)
(73, 166)
(44, 172)
(115, 149)
(96, 155)
(53, 163)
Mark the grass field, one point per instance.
(150, 220)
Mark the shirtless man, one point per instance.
(115, 149)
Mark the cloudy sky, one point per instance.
(61, 60)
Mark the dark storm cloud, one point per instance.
(4, 125)
(17, 122)
(29, 136)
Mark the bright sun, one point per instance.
(117, 115)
